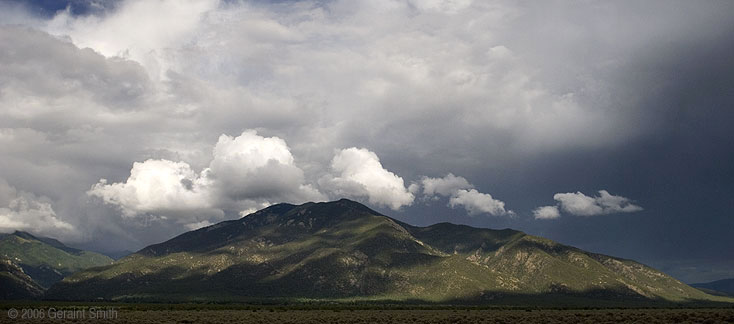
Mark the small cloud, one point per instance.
(547, 212)
(462, 193)
(476, 202)
(579, 204)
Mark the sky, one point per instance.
(602, 125)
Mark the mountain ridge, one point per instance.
(723, 287)
(345, 250)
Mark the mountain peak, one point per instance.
(346, 204)
(330, 210)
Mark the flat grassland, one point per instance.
(271, 315)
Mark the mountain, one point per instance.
(44, 260)
(344, 251)
(724, 287)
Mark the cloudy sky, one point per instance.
(604, 125)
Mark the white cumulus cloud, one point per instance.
(247, 171)
(357, 172)
(255, 168)
(579, 204)
(158, 187)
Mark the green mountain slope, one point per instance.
(46, 260)
(345, 251)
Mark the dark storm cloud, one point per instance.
(684, 169)
(679, 88)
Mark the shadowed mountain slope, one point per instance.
(16, 284)
(343, 250)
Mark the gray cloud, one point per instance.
(57, 73)
(24, 211)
